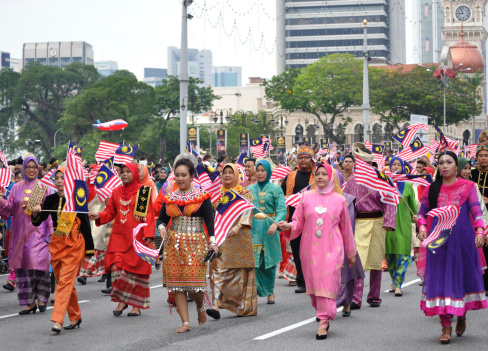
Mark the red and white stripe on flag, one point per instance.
(390, 199)
(47, 182)
(472, 150)
(408, 154)
(105, 150)
(412, 130)
(368, 145)
(434, 144)
(74, 171)
(5, 175)
(224, 221)
(269, 140)
(171, 177)
(293, 200)
(447, 215)
(4, 161)
(280, 172)
(214, 190)
(366, 175)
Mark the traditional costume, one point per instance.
(293, 183)
(398, 243)
(28, 245)
(189, 218)
(453, 279)
(322, 219)
(233, 273)
(372, 217)
(129, 205)
(267, 251)
(70, 242)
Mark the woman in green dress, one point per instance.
(398, 242)
(269, 198)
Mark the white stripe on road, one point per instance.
(290, 327)
(407, 284)
(308, 321)
(156, 286)
(49, 308)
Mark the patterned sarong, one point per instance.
(32, 285)
(130, 288)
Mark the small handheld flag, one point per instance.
(125, 153)
(145, 253)
(446, 219)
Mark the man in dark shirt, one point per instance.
(292, 184)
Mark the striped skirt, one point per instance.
(130, 288)
(32, 285)
(93, 265)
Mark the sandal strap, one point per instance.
(200, 310)
(186, 324)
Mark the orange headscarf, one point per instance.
(148, 182)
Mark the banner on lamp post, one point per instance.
(244, 143)
(281, 150)
(324, 144)
(221, 143)
(194, 137)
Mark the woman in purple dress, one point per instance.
(29, 253)
(453, 281)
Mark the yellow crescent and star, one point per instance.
(435, 244)
(101, 179)
(255, 142)
(80, 194)
(125, 149)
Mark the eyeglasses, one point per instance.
(30, 167)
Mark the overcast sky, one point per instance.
(136, 34)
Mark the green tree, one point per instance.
(39, 99)
(395, 95)
(8, 82)
(325, 89)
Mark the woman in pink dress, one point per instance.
(323, 219)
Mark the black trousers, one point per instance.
(295, 249)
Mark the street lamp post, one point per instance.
(55, 136)
(221, 114)
(243, 120)
(366, 106)
(280, 122)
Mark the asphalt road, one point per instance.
(288, 325)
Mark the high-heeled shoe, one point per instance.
(42, 308)
(33, 310)
(119, 312)
(73, 326)
(56, 330)
(322, 337)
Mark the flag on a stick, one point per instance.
(372, 178)
(105, 150)
(75, 187)
(405, 136)
(105, 182)
(48, 180)
(5, 176)
(446, 219)
(144, 252)
(125, 153)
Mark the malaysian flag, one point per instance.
(4, 161)
(5, 176)
(368, 145)
(434, 144)
(105, 182)
(443, 146)
(472, 150)
(294, 199)
(269, 141)
(76, 149)
(214, 187)
(453, 145)
(280, 172)
(415, 150)
(372, 178)
(231, 206)
(190, 149)
(147, 254)
(405, 136)
(259, 147)
(75, 187)
(125, 153)
(171, 177)
(106, 150)
(377, 151)
(420, 179)
(390, 199)
(241, 164)
(48, 180)
(447, 217)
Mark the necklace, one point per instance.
(320, 210)
(262, 194)
(124, 212)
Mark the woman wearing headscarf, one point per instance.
(186, 222)
(322, 217)
(28, 247)
(234, 277)
(146, 181)
(269, 198)
(163, 175)
(129, 205)
(398, 242)
(454, 283)
(70, 243)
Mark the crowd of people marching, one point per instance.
(321, 224)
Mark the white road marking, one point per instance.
(407, 284)
(49, 308)
(308, 321)
(290, 327)
(156, 286)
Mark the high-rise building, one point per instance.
(154, 76)
(58, 54)
(227, 76)
(199, 64)
(106, 68)
(309, 30)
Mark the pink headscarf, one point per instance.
(329, 188)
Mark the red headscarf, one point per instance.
(127, 191)
(421, 188)
(91, 187)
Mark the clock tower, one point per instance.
(470, 13)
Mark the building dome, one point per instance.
(468, 54)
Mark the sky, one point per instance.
(136, 34)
